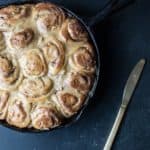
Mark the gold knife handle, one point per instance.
(114, 129)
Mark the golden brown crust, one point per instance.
(2, 42)
(83, 59)
(11, 14)
(46, 65)
(22, 38)
(3, 104)
(55, 55)
(80, 81)
(10, 75)
(68, 102)
(48, 16)
(72, 29)
(45, 117)
(33, 63)
(18, 112)
(36, 89)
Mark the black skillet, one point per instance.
(88, 24)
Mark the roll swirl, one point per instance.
(18, 112)
(11, 14)
(33, 63)
(10, 75)
(73, 30)
(68, 102)
(45, 117)
(2, 42)
(80, 81)
(36, 89)
(48, 17)
(4, 97)
(22, 39)
(83, 59)
(55, 55)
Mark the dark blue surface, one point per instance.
(124, 38)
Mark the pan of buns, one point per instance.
(49, 66)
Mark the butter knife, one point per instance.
(127, 94)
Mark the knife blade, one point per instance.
(132, 82)
(127, 94)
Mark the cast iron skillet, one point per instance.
(88, 24)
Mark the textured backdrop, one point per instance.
(124, 38)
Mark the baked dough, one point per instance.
(47, 65)
(10, 75)
(55, 55)
(80, 81)
(48, 17)
(11, 16)
(18, 112)
(68, 102)
(4, 96)
(33, 63)
(22, 39)
(44, 117)
(71, 29)
(2, 41)
(82, 59)
(36, 89)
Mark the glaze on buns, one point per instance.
(47, 65)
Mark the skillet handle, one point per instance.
(111, 7)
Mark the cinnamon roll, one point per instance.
(72, 29)
(33, 63)
(11, 14)
(4, 96)
(10, 75)
(44, 117)
(68, 102)
(55, 55)
(2, 42)
(83, 59)
(80, 81)
(18, 112)
(36, 89)
(22, 39)
(48, 17)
